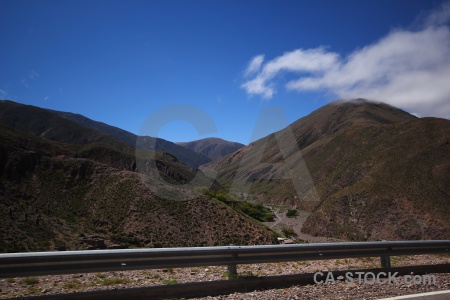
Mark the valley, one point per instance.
(362, 171)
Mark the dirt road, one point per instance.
(295, 223)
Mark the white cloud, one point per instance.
(254, 65)
(258, 85)
(3, 94)
(439, 16)
(408, 69)
(313, 60)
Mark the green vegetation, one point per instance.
(30, 280)
(288, 232)
(170, 281)
(73, 284)
(101, 275)
(304, 263)
(292, 213)
(247, 275)
(256, 211)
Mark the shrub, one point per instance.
(256, 211)
(202, 189)
(170, 281)
(74, 284)
(30, 281)
(288, 232)
(113, 281)
(292, 213)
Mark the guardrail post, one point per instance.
(385, 260)
(232, 268)
(232, 271)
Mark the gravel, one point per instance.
(59, 284)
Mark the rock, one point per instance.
(94, 242)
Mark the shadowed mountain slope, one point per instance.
(190, 158)
(76, 129)
(46, 124)
(213, 148)
(378, 172)
(50, 198)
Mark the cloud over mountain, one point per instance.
(406, 68)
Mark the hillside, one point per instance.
(213, 148)
(190, 158)
(45, 124)
(371, 170)
(76, 129)
(50, 198)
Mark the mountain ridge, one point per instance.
(75, 128)
(337, 149)
(51, 198)
(363, 170)
(213, 148)
(191, 158)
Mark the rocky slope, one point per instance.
(365, 170)
(51, 198)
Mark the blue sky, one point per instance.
(120, 62)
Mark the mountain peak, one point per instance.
(341, 114)
(367, 111)
(213, 148)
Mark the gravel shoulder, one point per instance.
(60, 284)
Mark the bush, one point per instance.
(288, 232)
(292, 213)
(170, 281)
(202, 189)
(113, 281)
(30, 281)
(256, 211)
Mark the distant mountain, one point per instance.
(213, 148)
(46, 124)
(76, 129)
(120, 134)
(57, 195)
(190, 158)
(379, 172)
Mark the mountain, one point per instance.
(56, 195)
(46, 124)
(76, 129)
(365, 171)
(213, 148)
(190, 158)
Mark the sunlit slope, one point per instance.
(378, 171)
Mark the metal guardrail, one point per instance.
(69, 262)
